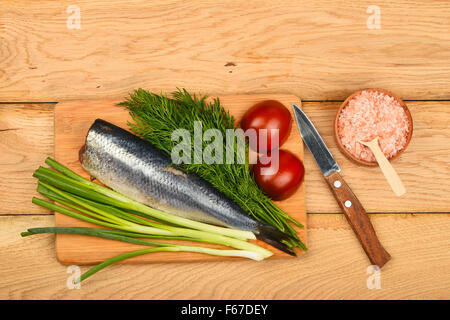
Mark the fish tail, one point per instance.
(274, 237)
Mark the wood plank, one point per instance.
(424, 167)
(72, 121)
(317, 50)
(335, 267)
(26, 139)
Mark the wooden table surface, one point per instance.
(321, 51)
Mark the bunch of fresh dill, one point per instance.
(157, 116)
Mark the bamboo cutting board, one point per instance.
(72, 121)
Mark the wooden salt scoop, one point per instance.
(386, 167)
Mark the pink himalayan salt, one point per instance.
(369, 115)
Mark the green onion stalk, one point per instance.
(130, 221)
(116, 199)
(156, 246)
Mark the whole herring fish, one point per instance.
(137, 169)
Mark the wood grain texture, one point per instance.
(335, 267)
(317, 50)
(26, 139)
(72, 122)
(424, 167)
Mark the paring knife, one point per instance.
(349, 203)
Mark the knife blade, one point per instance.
(352, 208)
(315, 144)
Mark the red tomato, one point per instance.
(282, 183)
(269, 114)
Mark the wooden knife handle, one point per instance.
(358, 219)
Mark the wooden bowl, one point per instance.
(347, 153)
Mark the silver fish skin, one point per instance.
(135, 168)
